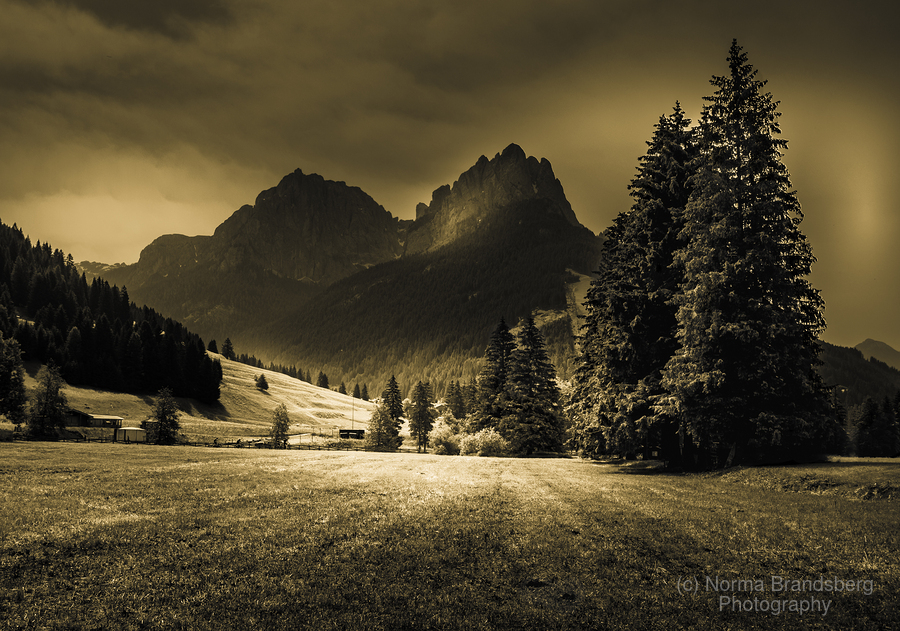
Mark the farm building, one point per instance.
(131, 435)
(358, 434)
(78, 418)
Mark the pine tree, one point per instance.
(322, 380)
(356, 392)
(492, 397)
(262, 383)
(455, 400)
(364, 394)
(421, 418)
(629, 332)
(743, 383)
(228, 350)
(342, 389)
(393, 401)
(534, 420)
(213, 347)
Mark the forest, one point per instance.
(91, 331)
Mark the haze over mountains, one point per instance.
(316, 273)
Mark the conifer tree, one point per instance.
(322, 380)
(533, 421)
(629, 331)
(262, 383)
(492, 381)
(421, 418)
(364, 393)
(743, 383)
(228, 350)
(455, 400)
(356, 392)
(393, 401)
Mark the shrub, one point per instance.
(487, 442)
(443, 437)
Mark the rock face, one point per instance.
(489, 187)
(306, 228)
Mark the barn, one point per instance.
(131, 435)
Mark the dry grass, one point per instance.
(129, 537)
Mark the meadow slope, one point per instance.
(242, 410)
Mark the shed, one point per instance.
(358, 434)
(131, 435)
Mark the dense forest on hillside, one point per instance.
(93, 332)
(429, 316)
(856, 377)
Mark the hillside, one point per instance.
(242, 411)
(880, 351)
(857, 376)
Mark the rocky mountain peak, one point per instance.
(490, 186)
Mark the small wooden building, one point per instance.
(79, 418)
(131, 435)
(358, 434)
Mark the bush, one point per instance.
(443, 437)
(487, 442)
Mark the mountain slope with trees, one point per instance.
(93, 332)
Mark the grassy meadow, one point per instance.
(112, 536)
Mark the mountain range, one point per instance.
(317, 274)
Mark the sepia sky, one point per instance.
(120, 122)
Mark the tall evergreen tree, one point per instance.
(743, 383)
(492, 381)
(228, 350)
(455, 400)
(534, 421)
(393, 401)
(630, 330)
(421, 417)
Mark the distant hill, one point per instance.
(880, 351)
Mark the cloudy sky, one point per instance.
(122, 121)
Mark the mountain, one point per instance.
(316, 273)
(880, 351)
(297, 237)
(486, 189)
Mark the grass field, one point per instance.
(112, 536)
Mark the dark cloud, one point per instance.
(167, 116)
(173, 18)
